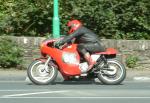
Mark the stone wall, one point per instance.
(138, 48)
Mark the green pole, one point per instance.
(56, 22)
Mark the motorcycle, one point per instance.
(71, 65)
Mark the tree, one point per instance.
(120, 19)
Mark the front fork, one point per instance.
(46, 64)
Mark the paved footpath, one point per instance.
(20, 75)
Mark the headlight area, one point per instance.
(41, 45)
(43, 55)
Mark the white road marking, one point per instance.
(25, 94)
(75, 97)
(15, 90)
(144, 78)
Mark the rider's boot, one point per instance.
(90, 61)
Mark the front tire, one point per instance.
(38, 75)
(115, 76)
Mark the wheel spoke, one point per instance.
(39, 75)
(115, 73)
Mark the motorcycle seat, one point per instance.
(109, 51)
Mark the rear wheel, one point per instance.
(115, 73)
(39, 75)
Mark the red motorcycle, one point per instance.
(71, 65)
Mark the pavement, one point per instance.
(20, 75)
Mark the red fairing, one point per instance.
(67, 59)
(57, 55)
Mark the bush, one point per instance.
(10, 53)
(119, 19)
(131, 61)
(25, 17)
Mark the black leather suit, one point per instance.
(87, 41)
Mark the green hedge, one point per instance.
(10, 53)
(120, 19)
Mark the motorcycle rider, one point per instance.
(87, 41)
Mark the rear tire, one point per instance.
(36, 72)
(116, 76)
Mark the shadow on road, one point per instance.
(77, 83)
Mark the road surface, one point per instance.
(75, 92)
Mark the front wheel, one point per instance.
(115, 73)
(39, 75)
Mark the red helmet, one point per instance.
(74, 25)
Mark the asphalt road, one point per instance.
(75, 92)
